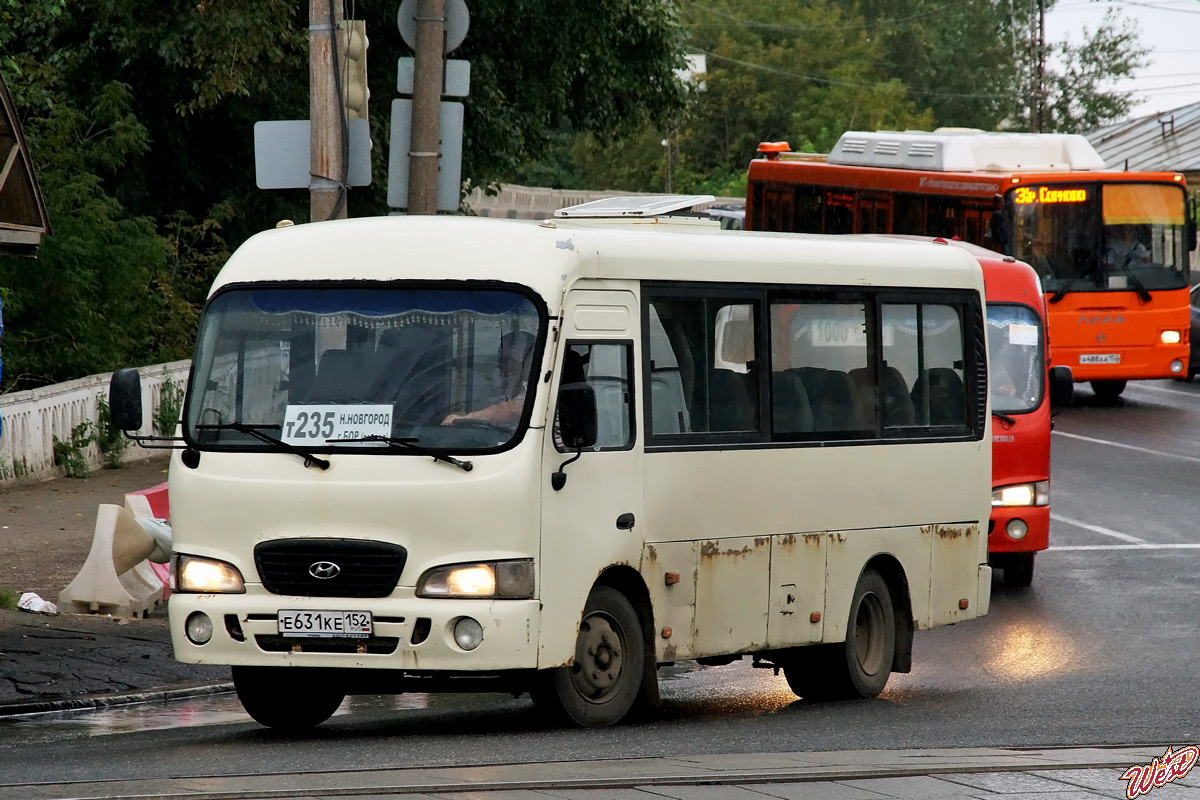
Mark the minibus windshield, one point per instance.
(1015, 346)
(349, 367)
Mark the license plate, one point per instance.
(326, 624)
(1101, 358)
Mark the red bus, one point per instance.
(1021, 385)
(1111, 247)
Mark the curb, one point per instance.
(95, 701)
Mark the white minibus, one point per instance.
(447, 453)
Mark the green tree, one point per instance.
(1078, 80)
(83, 302)
(140, 116)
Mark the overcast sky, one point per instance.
(1169, 28)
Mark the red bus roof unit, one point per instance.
(966, 150)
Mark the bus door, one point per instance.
(595, 519)
(874, 214)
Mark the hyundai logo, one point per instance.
(324, 570)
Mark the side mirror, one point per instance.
(125, 400)
(576, 424)
(1062, 387)
(577, 415)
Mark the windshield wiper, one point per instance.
(410, 445)
(1137, 284)
(257, 432)
(1005, 418)
(1071, 279)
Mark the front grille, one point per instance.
(363, 568)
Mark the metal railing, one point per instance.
(33, 419)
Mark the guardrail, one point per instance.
(33, 419)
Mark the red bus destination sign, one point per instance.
(1044, 194)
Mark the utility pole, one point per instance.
(428, 66)
(327, 187)
(1037, 46)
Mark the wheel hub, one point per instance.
(599, 657)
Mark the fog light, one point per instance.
(468, 633)
(1171, 337)
(1017, 529)
(199, 628)
(1177, 366)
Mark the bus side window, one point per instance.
(808, 209)
(943, 217)
(826, 348)
(668, 401)
(923, 342)
(839, 212)
(606, 368)
(908, 214)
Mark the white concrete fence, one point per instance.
(34, 419)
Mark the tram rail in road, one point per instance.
(1075, 769)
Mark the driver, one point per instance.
(1125, 249)
(505, 408)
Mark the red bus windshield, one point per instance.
(1092, 237)
(1015, 342)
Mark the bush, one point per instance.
(111, 441)
(70, 454)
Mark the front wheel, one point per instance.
(860, 666)
(602, 683)
(1108, 390)
(287, 698)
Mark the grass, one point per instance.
(7, 599)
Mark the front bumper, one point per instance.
(410, 633)
(1037, 518)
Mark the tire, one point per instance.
(860, 666)
(286, 698)
(1108, 390)
(1018, 570)
(600, 687)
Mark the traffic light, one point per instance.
(353, 63)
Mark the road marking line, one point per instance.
(1147, 546)
(1163, 389)
(1193, 459)
(1124, 537)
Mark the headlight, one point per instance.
(1022, 494)
(1171, 337)
(511, 580)
(207, 576)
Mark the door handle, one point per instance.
(625, 522)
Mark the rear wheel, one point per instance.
(860, 666)
(1018, 570)
(600, 686)
(1108, 390)
(287, 698)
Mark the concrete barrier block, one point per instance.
(116, 578)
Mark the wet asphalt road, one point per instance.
(1103, 649)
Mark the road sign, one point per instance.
(450, 127)
(456, 83)
(282, 154)
(456, 22)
